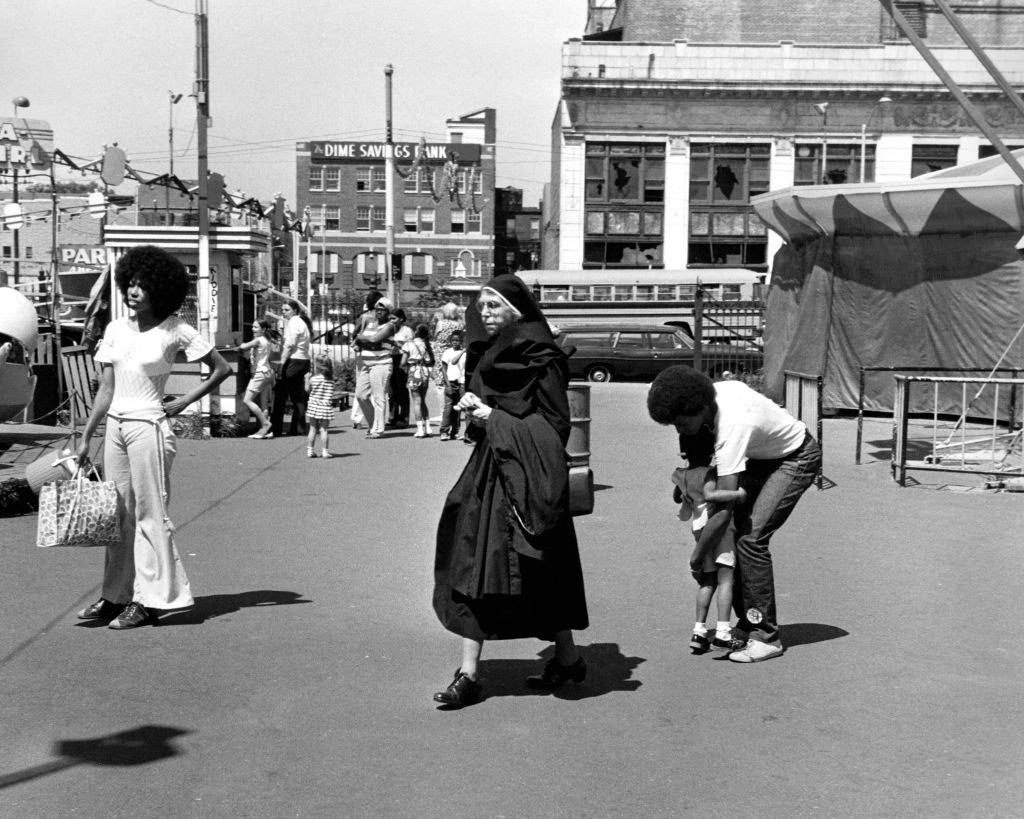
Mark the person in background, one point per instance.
(374, 370)
(778, 458)
(261, 375)
(291, 382)
(356, 415)
(320, 409)
(143, 572)
(507, 563)
(453, 371)
(418, 362)
(449, 320)
(398, 403)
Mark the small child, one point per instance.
(319, 409)
(453, 374)
(697, 494)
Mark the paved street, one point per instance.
(300, 685)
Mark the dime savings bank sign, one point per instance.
(370, 152)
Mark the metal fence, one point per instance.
(970, 444)
(802, 399)
(728, 335)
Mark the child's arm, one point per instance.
(712, 494)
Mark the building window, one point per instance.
(473, 222)
(409, 220)
(985, 151)
(843, 164)
(332, 179)
(625, 191)
(363, 180)
(7, 251)
(535, 229)
(466, 266)
(419, 182)
(417, 267)
(377, 218)
(28, 252)
(316, 218)
(723, 227)
(332, 218)
(458, 221)
(379, 179)
(316, 178)
(362, 218)
(914, 12)
(426, 220)
(928, 158)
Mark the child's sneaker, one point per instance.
(699, 643)
(326, 454)
(310, 453)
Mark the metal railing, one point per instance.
(802, 398)
(861, 391)
(970, 444)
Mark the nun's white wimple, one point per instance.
(503, 300)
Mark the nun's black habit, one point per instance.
(507, 563)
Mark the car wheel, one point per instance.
(599, 374)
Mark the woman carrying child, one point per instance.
(417, 363)
(319, 408)
(265, 340)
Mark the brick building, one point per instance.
(673, 113)
(517, 244)
(443, 212)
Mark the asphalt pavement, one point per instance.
(301, 682)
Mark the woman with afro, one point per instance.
(143, 571)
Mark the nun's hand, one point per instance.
(468, 402)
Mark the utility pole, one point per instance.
(389, 188)
(172, 101)
(205, 294)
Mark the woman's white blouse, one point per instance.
(142, 362)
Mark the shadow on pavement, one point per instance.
(138, 746)
(799, 634)
(608, 670)
(216, 605)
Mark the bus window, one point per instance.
(602, 292)
(666, 292)
(687, 292)
(555, 294)
(623, 293)
(731, 292)
(581, 292)
(645, 292)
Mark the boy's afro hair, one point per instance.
(159, 273)
(679, 391)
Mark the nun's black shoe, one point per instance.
(462, 691)
(556, 675)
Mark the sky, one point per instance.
(102, 71)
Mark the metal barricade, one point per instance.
(802, 399)
(972, 445)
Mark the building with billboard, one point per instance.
(443, 213)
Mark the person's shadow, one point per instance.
(216, 605)
(608, 670)
(800, 634)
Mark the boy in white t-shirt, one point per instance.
(453, 376)
(779, 460)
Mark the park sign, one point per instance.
(25, 144)
(373, 152)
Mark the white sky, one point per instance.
(99, 71)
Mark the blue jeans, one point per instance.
(773, 488)
(449, 415)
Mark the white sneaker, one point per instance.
(755, 651)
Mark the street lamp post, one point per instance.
(172, 101)
(864, 134)
(19, 102)
(822, 108)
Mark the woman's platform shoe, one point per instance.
(556, 675)
(462, 691)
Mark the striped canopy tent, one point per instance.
(921, 273)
